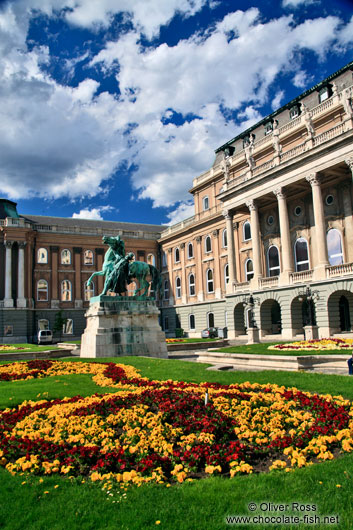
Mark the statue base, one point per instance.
(119, 325)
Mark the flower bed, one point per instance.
(315, 344)
(6, 347)
(162, 431)
(171, 341)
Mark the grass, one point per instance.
(27, 348)
(199, 505)
(262, 349)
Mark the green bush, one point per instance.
(179, 333)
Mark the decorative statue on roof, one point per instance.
(119, 270)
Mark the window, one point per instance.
(224, 238)
(192, 284)
(42, 255)
(190, 250)
(268, 128)
(164, 259)
(270, 220)
(246, 231)
(297, 211)
(329, 199)
(178, 287)
(68, 327)
(205, 203)
(249, 270)
(43, 324)
(209, 280)
(176, 255)
(166, 290)
(334, 247)
(294, 112)
(42, 291)
(89, 291)
(65, 257)
(208, 244)
(273, 261)
(301, 255)
(324, 94)
(192, 322)
(151, 260)
(226, 274)
(166, 324)
(210, 320)
(66, 291)
(88, 257)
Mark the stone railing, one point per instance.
(15, 221)
(270, 282)
(241, 286)
(300, 277)
(322, 107)
(264, 167)
(290, 125)
(96, 231)
(298, 150)
(178, 226)
(339, 270)
(328, 135)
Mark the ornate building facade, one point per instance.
(45, 263)
(273, 221)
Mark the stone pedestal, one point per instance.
(118, 326)
(253, 335)
(311, 332)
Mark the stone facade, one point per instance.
(273, 220)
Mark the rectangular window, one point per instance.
(205, 203)
(68, 327)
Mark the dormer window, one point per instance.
(294, 112)
(229, 150)
(324, 93)
(268, 128)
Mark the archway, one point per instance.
(239, 322)
(340, 308)
(270, 317)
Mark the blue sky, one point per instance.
(110, 108)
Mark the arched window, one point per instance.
(42, 255)
(178, 287)
(334, 247)
(192, 284)
(210, 320)
(166, 290)
(192, 322)
(43, 324)
(208, 244)
(66, 294)
(151, 260)
(246, 231)
(209, 280)
(164, 259)
(65, 257)
(88, 257)
(249, 270)
(224, 238)
(273, 261)
(190, 250)
(226, 274)
(42, 291)
(68, 327)
(205, 203)
(176, 255)
(89, 291)
(301, 255)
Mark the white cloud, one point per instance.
(93, 213)
(276, 102)
(299, 3)
(183, 211)
(346, 35)
(301, 79)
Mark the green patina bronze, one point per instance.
(119, 270)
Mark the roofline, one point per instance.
(286, 106)
(28, 216)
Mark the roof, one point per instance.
(287, 105)
(93, 223)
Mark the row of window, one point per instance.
(42, 257)
(192, 283)
(65, 291)
(68, 326)
(210, 321)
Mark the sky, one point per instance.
(110, 108)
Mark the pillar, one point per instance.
(21, 300)
(54, 298)
(286, 247)
(217, 272)
(184, 286)
(320, 226)
(78, 282)
(255, 237)
(231, 254)
(200, 276)
(8, 300)
(170, 258)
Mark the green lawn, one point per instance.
(262, 349)
(199, 505)
(26, 348)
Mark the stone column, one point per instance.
(217, 273)
(184, 287)
(8, 300)
(286, 247)
(54, 299)
(346, 194)
(255, 237)
(21, 300)
(320, 226)
(170, 276)
(199, 276)
(78, 282)
(231, 254)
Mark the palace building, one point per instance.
(271, 239)
(272, 232)
(45, 263)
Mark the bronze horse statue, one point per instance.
(119, 270)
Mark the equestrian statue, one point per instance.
(119, 270)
